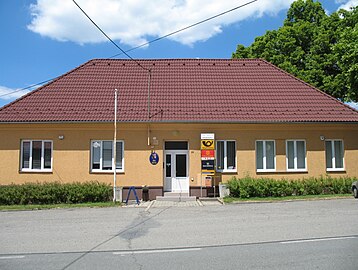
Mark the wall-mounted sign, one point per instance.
(154, 158)
(207, 154)
(208, 181)
(207, 165)
(207, 136)
(207, 145)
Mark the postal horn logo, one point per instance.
(208, 143)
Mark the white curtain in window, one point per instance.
(107, 155)
(36, 154)
(119, 155)
(231, 155)
(290, 155)
(259, 155)
(301, 154)
(26, 155)
(338, 151)
(270, 155)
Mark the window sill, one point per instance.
(335, 170)
(297, 171)
(35, 171)
(266, 171)
(282, 172)
(107, 172)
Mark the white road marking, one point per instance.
(11, 257)
(123, 253)
(317, 240)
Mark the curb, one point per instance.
(292, 200)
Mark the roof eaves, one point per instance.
(187, 122)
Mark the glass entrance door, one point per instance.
(176, 171)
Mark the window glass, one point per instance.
(220, 155)
(96, 155)
(180, 162)
(36, 154)
(119, 157)
(47, 155)
(168, 165)
(290, 155)
(26, 155)
(231, 155)
(301, 155)
(270, 155)
(259, 155)
(329, 155)
(107, 155)
(225, 155)
(176, 145)
(102, 155)
(338, 151)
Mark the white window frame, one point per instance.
(295, 169)
(226, 169)
(42, 156)
(264, 156)
(334, 169)
(100, 170)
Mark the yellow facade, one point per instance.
(72, 154)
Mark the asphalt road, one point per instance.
(293, 235)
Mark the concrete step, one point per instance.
(176, 194)
(208, 199)
(176, 198)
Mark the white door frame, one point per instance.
(173, 183)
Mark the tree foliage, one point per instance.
(318, 48)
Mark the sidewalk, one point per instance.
(155, 204)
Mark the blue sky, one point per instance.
(45, 38)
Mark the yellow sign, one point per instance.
(207, 145)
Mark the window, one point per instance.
(296, 155)
(226, 156)
(36, 155)
(334, 155)
(102, 156)
(265, 156)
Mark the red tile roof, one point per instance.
(190, 90)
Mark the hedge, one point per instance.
(265, 187)
(54, 193)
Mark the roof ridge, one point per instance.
(311, 86)
(45, 85)
(178, 59)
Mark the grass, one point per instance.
(286, 198)
(53, 206)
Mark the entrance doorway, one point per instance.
(176, 167)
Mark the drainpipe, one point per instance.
(114, 165)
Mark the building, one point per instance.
(264, 122)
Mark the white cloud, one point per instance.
(132, 22)
(7, 93)
(347, 4)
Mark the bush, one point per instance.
(264, 187)
(55, 193)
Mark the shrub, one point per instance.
(54, 193)
(265, 187)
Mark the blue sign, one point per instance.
(154, 158)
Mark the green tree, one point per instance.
(318, 48)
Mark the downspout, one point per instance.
(149, 117)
